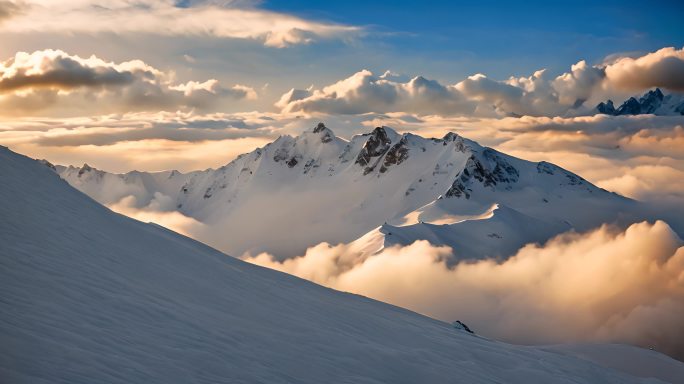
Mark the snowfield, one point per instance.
(297, 192)
(91, 296)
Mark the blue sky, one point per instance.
(502, 38)
(441, 40)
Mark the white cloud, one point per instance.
(364, 92)
(572, 93)
(62, 83)
(579, 84)
(164, 17)
(663, 68)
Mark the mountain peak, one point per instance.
(319, 127)
(327, 135)
(651, 102)
(377, 145)
(389, 132)
(606, 108)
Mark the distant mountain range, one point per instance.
(377, 189)
(652, 102)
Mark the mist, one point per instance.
(606, 285)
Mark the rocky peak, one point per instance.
(377, 144)
(319, 127)
(606, 108)
(85, 168)
(326, 134)
(629, 107)
(488, 168)
(651, 101)
(396, 154)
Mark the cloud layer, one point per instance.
(167, 17)
(55, 81)
(229, 19)
(571, 93)
(604, 285)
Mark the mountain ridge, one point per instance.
(325, 188)
(651, 102)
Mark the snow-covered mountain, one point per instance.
(299, 191)
(90, 296)
(652, 102)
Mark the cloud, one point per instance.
(604, 285)
(10, 9)
(364, 92)
(158, 211)
(55, 81)
(165, 17)
(504, 97)
(146, 141)
(663, 68)
(570, 94)
(577, 86)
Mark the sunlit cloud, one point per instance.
(236, 20)
(570, 94)
(663, 68)
(144, 141)
(10, 9)
(604, 285)
(54, 82)
(159, 211)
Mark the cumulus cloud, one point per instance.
(570, 94)
(575, 87)
(663, 68)
(604, 285)
(57, 81)
(173, 18)
(365, 92)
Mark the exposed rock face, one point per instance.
(652, 102)
(292, 162)
(459, 142)
(396, 155)
(458, 324)
(544, 167)
(84, 169)
(377, 144)
(320, 127)
(606, 108)
(629, 107)
(490, 170)
(281, 154)
(326, 134)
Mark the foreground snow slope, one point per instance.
(299, 191)
(90, 296)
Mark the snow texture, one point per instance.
(300, 191)
(91, 296)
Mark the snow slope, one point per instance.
(90, 296)
(299, 191)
